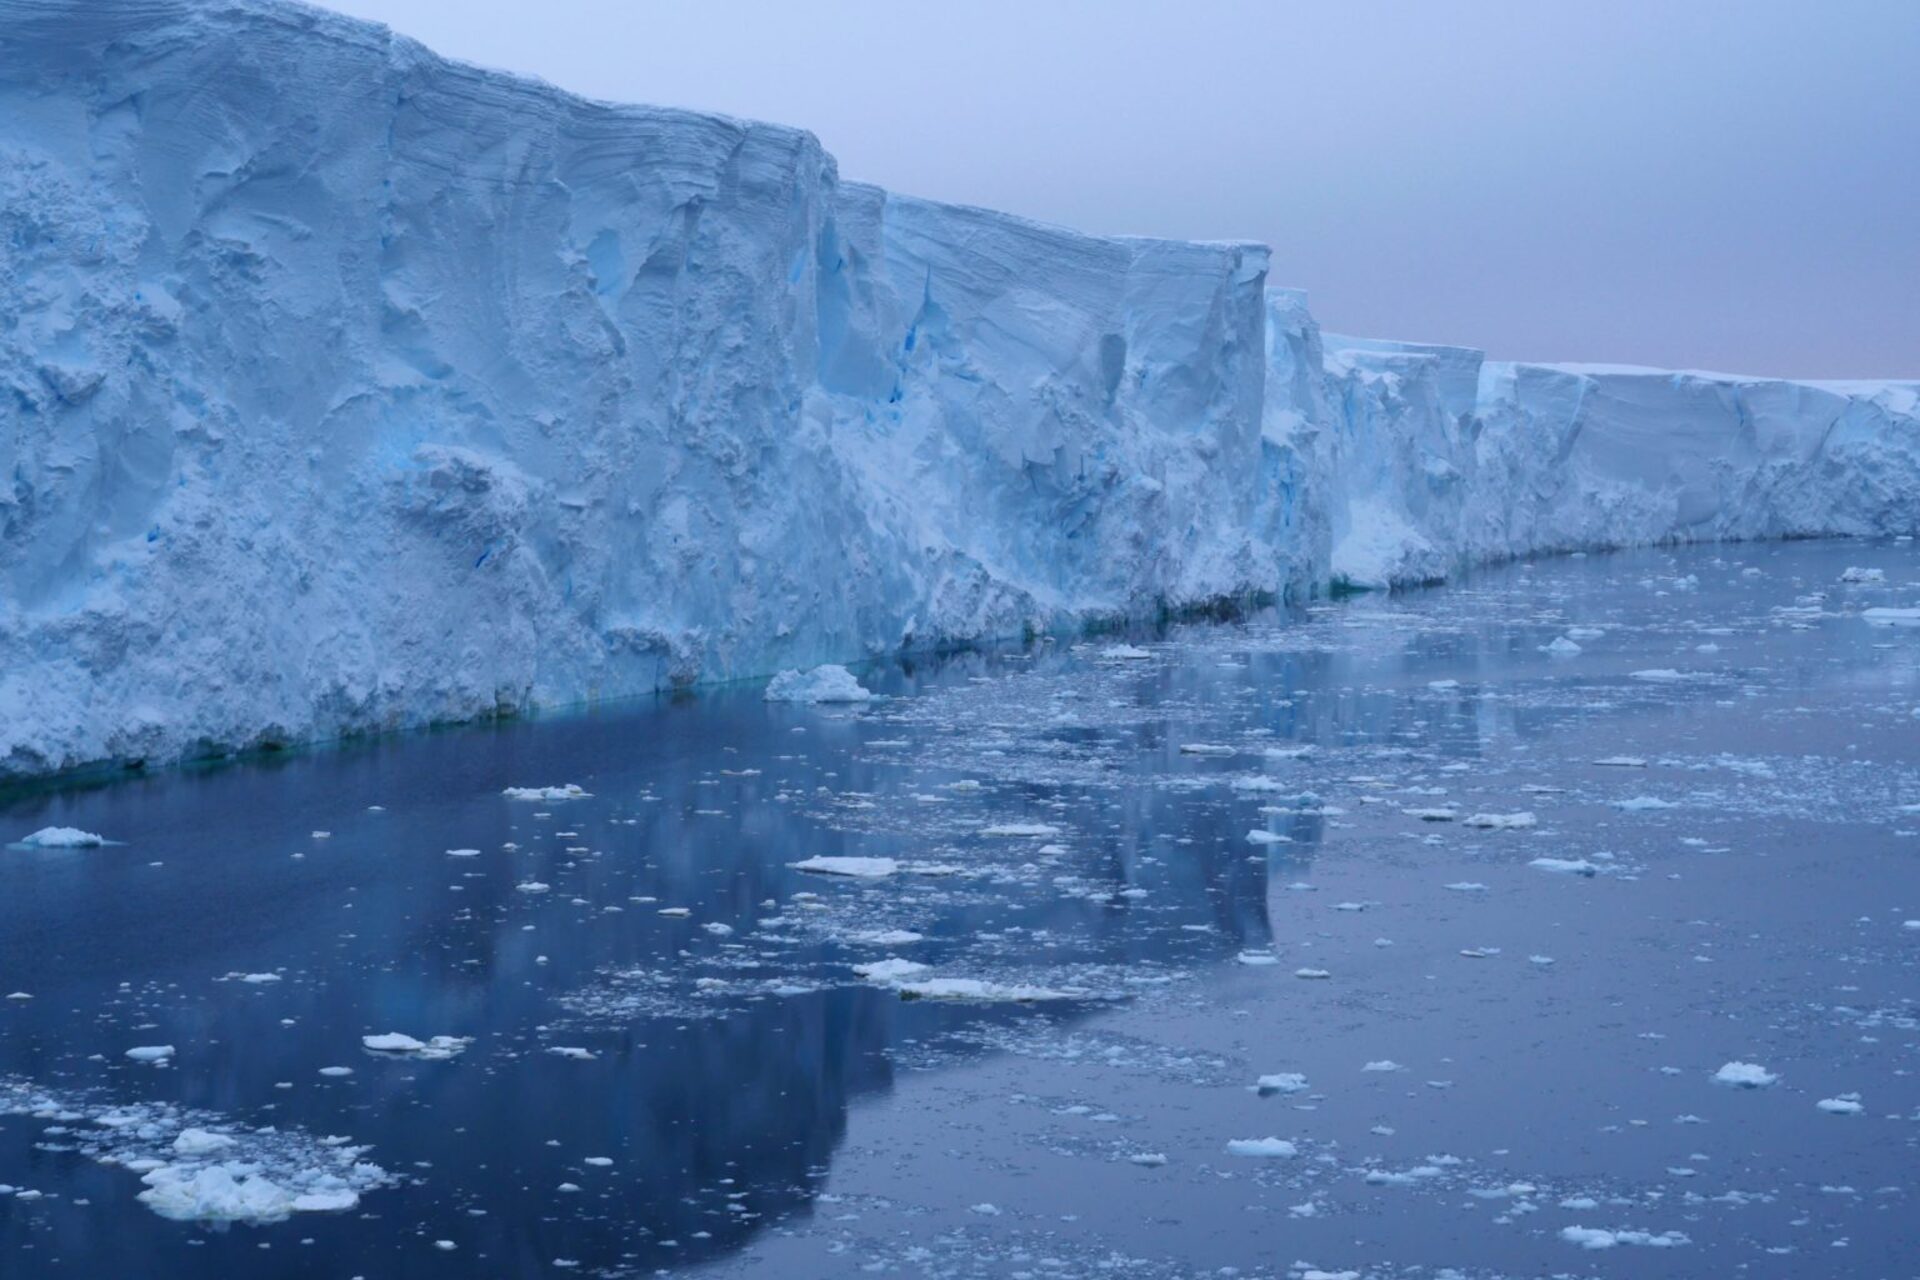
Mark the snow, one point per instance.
(390, 458)
(857, 868)
(1744, 1075)
(822, 684)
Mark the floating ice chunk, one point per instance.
(1566, 866)
(1281, 1082)
(1479, 953)
(1020, 830)
(1441, 686)
(1641, 804)
(63, 838)
(1661, 675)
(336, 1072)
(1562, 647)
(393, 1042)
(717, 929)
(1384, 1064)
(1859, 575)
(398, 1043)
(888, 937)
(1263, 1148)
(1205, 749)
(1594, 1238)
(1257, 836)
(1847, 1104)
(830, 683)
(1432, 815)
(857, 868)
(1312, 973)
(215, 1193)
(1622, 762)
(1147, 1159)
(28, 995)
(1501, 821)
(334, 1201)
(890, 970)
(1124, 653)
(463, 853)
(1257, 958)
(1300, 752)
(1467, 886)
(1744, 1075)
(1586, 633)
(973, 989)
(573, 1051)
(567, 791)
(1884, 617)
(151, 1052)
(1258, 782)
(532, 886)
(199, 1142)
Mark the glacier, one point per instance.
(345, 388)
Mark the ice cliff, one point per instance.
(343, 387)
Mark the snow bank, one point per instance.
(351, 389)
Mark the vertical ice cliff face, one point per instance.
(345, 387)
(1438, 459)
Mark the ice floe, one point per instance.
(1744, 1075)
(830, 683)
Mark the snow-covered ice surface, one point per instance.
(344, 388)
(690, 1051)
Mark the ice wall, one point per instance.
(1439, 459)
(343, 388)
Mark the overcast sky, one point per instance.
(1691, 183)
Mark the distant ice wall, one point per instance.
(1440, 459)
(343, 388)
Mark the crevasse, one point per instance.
(343, 387)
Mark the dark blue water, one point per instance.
(749, 1103)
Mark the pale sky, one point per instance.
(1689, 183)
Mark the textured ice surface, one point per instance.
(829, 683)
(346, 388)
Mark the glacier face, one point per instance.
(343, 387)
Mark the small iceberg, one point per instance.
(63, 838)
(857, 868)
(831, 683)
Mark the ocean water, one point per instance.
(1368, 849)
